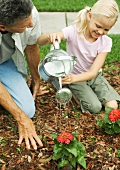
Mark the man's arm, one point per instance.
(33, 58)
(25, 124)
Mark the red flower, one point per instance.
(67, 141)
(65, 137)
(114, 115)
(119, 115)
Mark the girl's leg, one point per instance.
(88, 99)
(17, 87)
(105, 92)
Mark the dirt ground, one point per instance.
(102, 150)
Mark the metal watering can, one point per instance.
(57, 63)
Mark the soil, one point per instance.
(102, 150)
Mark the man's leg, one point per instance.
(16, 85)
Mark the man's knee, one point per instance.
(28, 108)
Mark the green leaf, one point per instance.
(75, 134)
(118, 122)
(54, 136)
(118, 151)
(65, 152)
(40, 136)
(74, 162)
(81, 149)
(57, 149)
(100, 123)
(72, 149)
(108, 109)
(109, 130)
(116, 128)
(62, 163)
(82, 161)
(57, 156)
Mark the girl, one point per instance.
(87, 40)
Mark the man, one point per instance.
(19, 31)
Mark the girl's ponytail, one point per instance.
(81, 21)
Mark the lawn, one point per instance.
(64, 5)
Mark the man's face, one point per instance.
(20, 25)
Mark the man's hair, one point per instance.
(12, 10)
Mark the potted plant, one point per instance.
(111, 121)
(68, 151)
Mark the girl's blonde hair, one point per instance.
(108, 8)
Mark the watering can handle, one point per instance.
(56, 46)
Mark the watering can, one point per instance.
(57, 63)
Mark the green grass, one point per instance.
(113, 56)
(64, 5)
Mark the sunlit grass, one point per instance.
(64, 5)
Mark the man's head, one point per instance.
(15, 13)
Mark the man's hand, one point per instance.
(42, 90)
(36, 89)
(25, 125)
(27, 131)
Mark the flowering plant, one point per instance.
(111, 122)
(68, 150)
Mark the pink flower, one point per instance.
(65, 137)
(114, 115)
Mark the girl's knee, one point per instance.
(113, 104)
(95, 108)
(92, 108)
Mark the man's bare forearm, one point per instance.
(33, 58)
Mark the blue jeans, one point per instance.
(16, 85)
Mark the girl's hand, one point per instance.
(50, 38)
(68, 79)
(53, 37)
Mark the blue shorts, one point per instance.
(16, 85)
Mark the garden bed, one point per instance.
(102, 150)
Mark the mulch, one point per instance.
(102, 150)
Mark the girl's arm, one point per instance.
(50, 38)
(98, 63)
